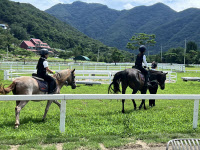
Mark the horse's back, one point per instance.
(26, 85)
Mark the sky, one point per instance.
(177, 5)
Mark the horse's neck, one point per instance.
(154, 75)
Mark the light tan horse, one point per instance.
(28, 86)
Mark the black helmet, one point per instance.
(44, 52)
(142, 48)
(153, 65)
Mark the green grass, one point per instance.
(90, 122)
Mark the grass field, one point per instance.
(90, 122)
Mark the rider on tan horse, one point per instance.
(42, 69)
(29, 86)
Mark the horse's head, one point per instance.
(71, 80)
(67, 77)
(161, 77)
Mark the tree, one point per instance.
(141, 39)
(23, 53)
(191, 46)
(65, 55)
(116, 55)
(170, 57)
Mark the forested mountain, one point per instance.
(25, 22)
(115, 28)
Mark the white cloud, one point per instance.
(128, 6)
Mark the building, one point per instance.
(34, 45)
(3, 26)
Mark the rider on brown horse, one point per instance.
(138, 64)
(42, 69)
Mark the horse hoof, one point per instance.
(145, 108)
(135, 108)
(140, 108)
(16, 126)
(122, 111)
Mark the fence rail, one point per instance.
(105, 76)
(64, 97)
(90, 66)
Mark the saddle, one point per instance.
(141, 76)
(43, 85)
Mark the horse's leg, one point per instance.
(155, 91)
(144, 91)
(134, 104)
(18, 108)
(57, 103)
(151, 100)
(123, 100)
(46, 109)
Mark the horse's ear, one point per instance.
(73, 70)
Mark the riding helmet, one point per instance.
(142, 48)
(44, 52)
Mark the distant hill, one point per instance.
(115, 28)
(25, 22)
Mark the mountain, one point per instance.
(115, 28)
(25, 22)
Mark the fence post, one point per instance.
(195, 114)
(6, 72)
(62, 115)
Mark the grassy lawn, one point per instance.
(90, 122)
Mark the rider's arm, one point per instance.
(49, 70)
(45, 63)
(144, 60)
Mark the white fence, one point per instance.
(64, 97)
(104, 76)
(90, 66)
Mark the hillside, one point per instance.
(115, 28)
(25, 22)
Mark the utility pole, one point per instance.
(161, 54)
(98, 56)
(7, 52)
(184, 51)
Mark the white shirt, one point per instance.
(45, 64)
(144, 61)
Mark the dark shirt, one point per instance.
(41, 71)
(139, 60)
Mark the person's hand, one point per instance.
(53, 72)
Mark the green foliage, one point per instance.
(191, 46)
(22, 53)
(141, 39)
(65, 55)
(25, 22)
(115, 28)
(7, 39)
(116, 55)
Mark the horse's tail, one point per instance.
(8, 89)
(116, 81)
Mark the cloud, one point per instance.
(128, 6)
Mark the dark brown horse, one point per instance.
(132, 78)
(29, 86)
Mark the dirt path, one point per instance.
(139, 145)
